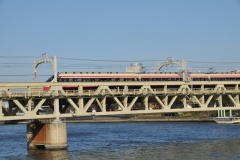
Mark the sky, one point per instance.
(104, 35)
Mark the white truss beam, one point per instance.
(202, 93)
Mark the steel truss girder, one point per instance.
(165, 96)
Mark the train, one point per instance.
(141, 77)
(124, 76)
(135, 73)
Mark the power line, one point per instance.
(16, 75)
(211, 62)
(194, 65)
(108, 60)
(24, 75)
(14, 63)
(19, 56)
(105, 60)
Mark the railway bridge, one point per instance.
(26, 101)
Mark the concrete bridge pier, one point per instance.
(52, 135)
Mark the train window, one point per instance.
(59, 80)
(79, 80)
(65, 79)
(74, 79)
(70, 80)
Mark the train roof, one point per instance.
(147, 73)
(97, 73)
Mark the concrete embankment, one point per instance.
(112, 119)
(139, 120)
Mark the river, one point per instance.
(130, 140)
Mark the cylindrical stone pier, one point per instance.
(51, 135)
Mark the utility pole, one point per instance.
(182, 64)
(42, 60)
(54, 63)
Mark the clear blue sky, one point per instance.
(134, 30)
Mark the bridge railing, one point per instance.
(92, 92)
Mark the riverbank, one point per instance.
(110, 120)
(128, 118)
(139, 120)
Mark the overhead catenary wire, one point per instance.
(19, 56)
(193, 65)
(23, 75)
(104, 60)
(107, 60)
(112, 67)
(212, 62)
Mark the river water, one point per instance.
(130, 140)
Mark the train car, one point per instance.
(219, 76)
(124, 76)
